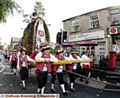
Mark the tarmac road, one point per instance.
(10, 84)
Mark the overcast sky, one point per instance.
(56, 12)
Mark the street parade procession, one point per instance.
(35, 53)
(37, 57)
(84, 62)
(56, 65)
(46, 63)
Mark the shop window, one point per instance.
(94, 21)
(101, 48)
(102, 44)
(75, 25)
(92, 47)
(87, 47)
(102, 53)
(115, 38)
(115, 16)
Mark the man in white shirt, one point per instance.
(84, 71)
(23, 65)
(73, 67)
(57, 70)
(42, 68)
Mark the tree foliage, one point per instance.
(7, 7)
(38, 9)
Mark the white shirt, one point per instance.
(24, 64)
(71, 58)
(52, 59)
(85, 57)
(60, 69)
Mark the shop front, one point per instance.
(115, 38)
(97, 50)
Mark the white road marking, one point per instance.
(7, 73)
(112, 89)
(3, 67)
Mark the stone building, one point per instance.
(102, 26)
(14, 42)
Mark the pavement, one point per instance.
(10, 84)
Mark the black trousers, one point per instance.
(5, 56)
(42, 79)
(102, 75)
(83, 71)
(72, 76)
(24, 73)
(8, 58)
(14, 65)
(60, 78)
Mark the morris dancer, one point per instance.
(42, 68)
(13, 61)
(84, 65)
(91, 64)
(73, 67)
(58, 70)
(9, 54)
(23, 65)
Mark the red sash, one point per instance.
(40, 65)
(21, 61)
(13, 58)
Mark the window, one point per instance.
(94, 21)
(75, 25)
(115, 16)
(102, 44)
(102, 53)
(101, 48)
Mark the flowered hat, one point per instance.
(44, 46)
(59, 49)
(22, 49)
(74, 50)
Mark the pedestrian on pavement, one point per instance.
(23, 65)
(104, 65)
(85, 67)
(43, 68)
(13, 61)
(57, 70)
(72, 67)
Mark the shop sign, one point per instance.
(113, 31)
(87, 36)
